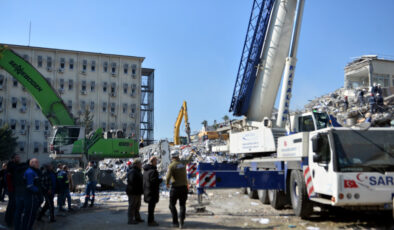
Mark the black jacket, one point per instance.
(134, 182)
(151, 184)
(18, 182)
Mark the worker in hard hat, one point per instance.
(177, 180)
(379, 102)
(372, 103)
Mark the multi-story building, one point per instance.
(106, 85)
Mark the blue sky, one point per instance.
(195, 46)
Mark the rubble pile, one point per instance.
(357, 111)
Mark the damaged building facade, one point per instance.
(366, 70)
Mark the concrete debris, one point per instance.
(357, 110)
(261, 220)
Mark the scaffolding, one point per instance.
(147, 105)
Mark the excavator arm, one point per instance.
(51, 104)
(182, 113)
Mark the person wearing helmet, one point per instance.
(176, 179)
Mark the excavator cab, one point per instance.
(64, 138)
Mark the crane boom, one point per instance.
(51, 104)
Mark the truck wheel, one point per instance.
(300, 202)
(263, 196)
(277, 198)
(252, 193)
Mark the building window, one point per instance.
(14, 102)
(45, 147)
(105, 85)
(125, 68)
(39, 61)
(92, 86)
(61, 83)
(113, 88)
(133, 106)
(133, 88)
(124, 127)
(83, 105)
(113, 68)
(113, 125)
(14, 82)
(1, 81)
(132, 126)
(124, 108)
(93, 67)
(92, 106)
(103, 126)
(84, 65)
(37, 125)
(105, 67)
(83, 86)
(26, 57)
(113, 107)
(23, 125)
(1, 106)
(46, 125)
(36, 147)
(71, 64)
(133, 69)
(24, 105)
(49, 62)
(21, 146)
(104, 107)
(125, 88)
(62, 63)
(70, 105)
(13, 124)
(70, 84)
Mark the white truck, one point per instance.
(311, 162)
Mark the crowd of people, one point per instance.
(148, 184)
(31, 190)
(375, 99)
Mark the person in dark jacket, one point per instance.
(379, 102)
(3, 184)
(32, 194)
(151, 189)
(372, 103)
(67, 194)
(16, 184)
(134, 191)
(48, 182)
(61, 183)
(9, 214)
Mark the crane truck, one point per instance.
(304, 161)
(69, 139)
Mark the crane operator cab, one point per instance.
(310, 121)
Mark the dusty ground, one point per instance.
(228, 209)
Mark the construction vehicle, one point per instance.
(304, 161)
(69, 139)
(182, 114)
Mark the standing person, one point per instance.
(379, 89)
(32, 195)
(177, 179)
(91, 181)
(61, 182)
(361, 97)
(379, 102)
(48, 182)
(68, 184)
(3, 184)
(134, 191)
(346, 103)
(16, 183)
(151, 188)
(372, 103)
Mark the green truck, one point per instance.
(69, 139)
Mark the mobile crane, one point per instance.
(182, 113)
(311, 162)
(69, 139)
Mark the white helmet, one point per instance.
(174, 153)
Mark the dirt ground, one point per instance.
(227, 209)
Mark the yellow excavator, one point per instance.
(182, 113)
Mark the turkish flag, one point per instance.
(350, 184)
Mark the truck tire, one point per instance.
(300, 202)
(263, 196)
(252, 193)
(277, 199)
